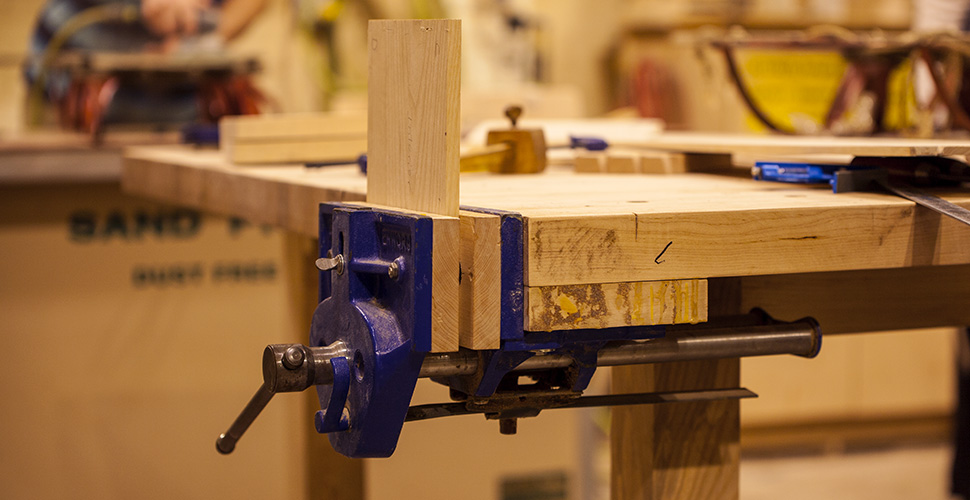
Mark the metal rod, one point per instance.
(227, 441)
(447, 364)
(801, 338)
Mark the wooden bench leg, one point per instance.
(679, 450)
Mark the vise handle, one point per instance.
(286, 368)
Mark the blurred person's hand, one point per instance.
(169, 18)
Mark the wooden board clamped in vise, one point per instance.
(527, 146)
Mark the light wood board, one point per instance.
(413, 114)
(290, 126)
(316, 150)
(481, 280)
(293, 138)
(688, 142)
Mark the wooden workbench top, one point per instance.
(604, 228)
(58, 157)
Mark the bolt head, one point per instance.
(293, 358)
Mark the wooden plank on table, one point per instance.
(413, 143)
(336, 149)
(293, 137)
(292, 126)
(481, 280)
(413, 114)
(685, 451)
(866, 301)
(607, 305)
(692, 142)
(641, 161)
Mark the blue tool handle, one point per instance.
(798, 173)
(587, 143)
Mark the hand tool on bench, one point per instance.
(889, 174)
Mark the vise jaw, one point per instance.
(369, 333)
(379, 306)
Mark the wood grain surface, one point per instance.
(481, 280)
(595, 228)
(413, 114)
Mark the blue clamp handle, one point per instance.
(335, 417)
(587, 143)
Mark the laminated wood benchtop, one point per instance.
(604, 228)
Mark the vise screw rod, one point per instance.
(801, 338)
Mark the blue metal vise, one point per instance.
(370, 341)
(377, 302)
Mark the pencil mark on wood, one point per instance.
(657, 260)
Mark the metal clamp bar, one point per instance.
(801, 338)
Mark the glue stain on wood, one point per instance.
(607, 305)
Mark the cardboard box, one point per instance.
(133, 334)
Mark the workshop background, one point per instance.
(133, 329)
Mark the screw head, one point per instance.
(395, 268)
(293, 358)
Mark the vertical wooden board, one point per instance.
(413, 114)
(445, 272)
(481, 280)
